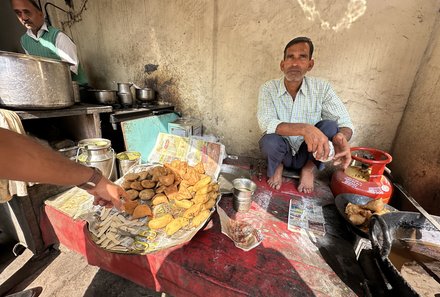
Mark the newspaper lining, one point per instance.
(171, 147)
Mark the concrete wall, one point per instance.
(214, 55)
(417, 146)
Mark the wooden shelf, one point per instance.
(77, 109)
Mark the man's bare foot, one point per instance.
(307, 178)
(276, 179)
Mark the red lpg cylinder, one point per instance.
(365, 175)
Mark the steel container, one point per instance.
(126, 160)
(124, 87)
(145, 94)
(243, 189)
(97, 152)
(31, 82)
(106, 97)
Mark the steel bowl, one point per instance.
(145, 94)
(107, 97)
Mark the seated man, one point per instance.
(299, 115)
(46, 41)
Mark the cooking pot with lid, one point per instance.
(31, 82)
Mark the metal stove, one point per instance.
(139, 110)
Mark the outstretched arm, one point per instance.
(22, 158)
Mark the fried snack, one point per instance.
(202, 190)
(156, 172)
(183, 203)
(175, 225)
(146, 194)
(160, 222)
(184, 193)
(136, 185)
(200, 218)
(143, 175)
(133, 194)
(148, 184)
(205, 180)
(210, 204)
(360, 214)
(171, 191)
(160, 189)
(129, 206)
(159, 198)
(126, 185)
(383, 211)
(200, 168)
(375, 205)
(167, 180)
(200, 198)
(131, 176)
(193, 211)
(357, 219)
(191, 176)
(141, 211)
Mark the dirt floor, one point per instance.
(62, 273)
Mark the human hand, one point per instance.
(316, 142)
(342, 151)
(108, 194)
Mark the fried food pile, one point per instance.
(360, 215)
(174, 196)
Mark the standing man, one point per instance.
(298, 116)
(46, 41)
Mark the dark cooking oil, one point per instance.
(419, 264)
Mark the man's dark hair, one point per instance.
(34, 3)
(299, 40)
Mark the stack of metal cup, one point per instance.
(125, 95)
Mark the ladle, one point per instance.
(417, 205)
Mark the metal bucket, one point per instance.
(97, 152)
(126, 160)
(243, 190)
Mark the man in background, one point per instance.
(46, 41)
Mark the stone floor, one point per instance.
(62, 273)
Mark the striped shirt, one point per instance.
(315, 101)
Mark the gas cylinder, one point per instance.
(364, 176)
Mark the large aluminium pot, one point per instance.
(31, 82)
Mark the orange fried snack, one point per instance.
(141, 211)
